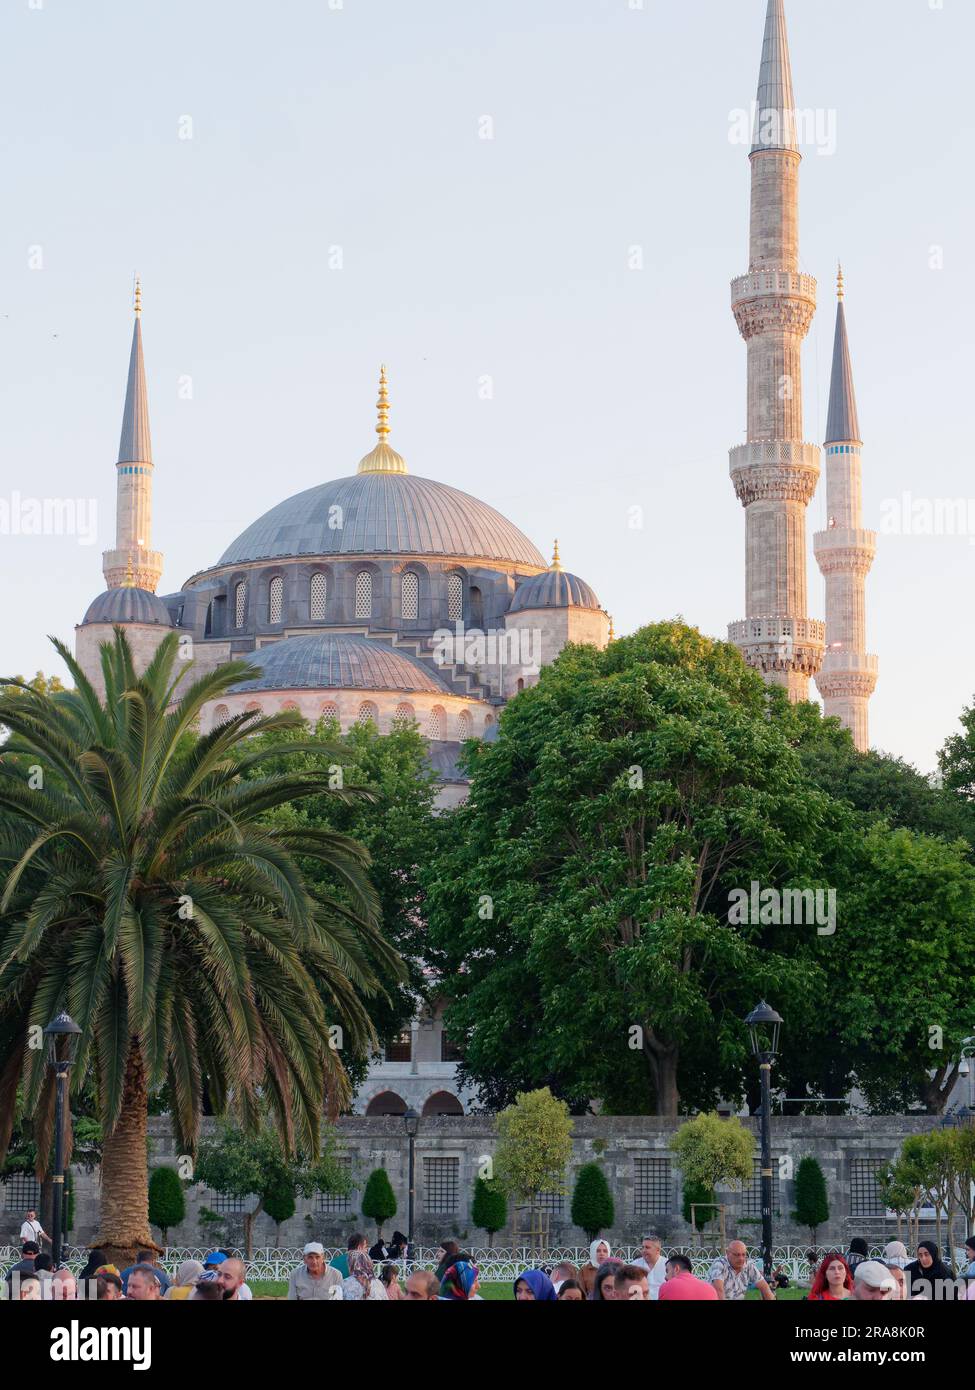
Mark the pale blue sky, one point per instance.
(463, 258)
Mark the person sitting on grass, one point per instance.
(833, 1281)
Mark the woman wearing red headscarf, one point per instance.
(833, 1282)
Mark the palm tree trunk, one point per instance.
(124, 1224)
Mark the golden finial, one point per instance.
(129, 575)
(556, 562)
(839, 280)
(612, 630)
(382, 429)
(137, 297)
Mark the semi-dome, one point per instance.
(128, 605)
(337, 661)
(383, 513)
(554, 589)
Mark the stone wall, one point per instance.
(449, 1151)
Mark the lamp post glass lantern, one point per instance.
(63, 1036)
(411, 1120)
(763, 1025)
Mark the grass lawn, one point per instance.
(500, 1293)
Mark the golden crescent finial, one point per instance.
(556, 562)
(129, 575)
(612, 630)
(137, 297)
(839, 281)
(382, 428)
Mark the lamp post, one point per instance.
(63, 1036)
(412, 1122)
(763, 1028)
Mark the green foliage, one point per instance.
(489, 1208)
(593, 1209)
(379, 1199)
(812, 1206)
(710, 1150)
(626, 794)
(700, 1195)
(146, 893)
(279, 1202)
(534, 1145)
(167, 1205)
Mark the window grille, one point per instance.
(865, 1195)
(275, 595)
(455, 598)
(410, 595)
(437, 725)
(652, 1187)
(240, 604)
(318, 596)
(751, 1197)
(440, 1185)
(336, 1203)
(21, 1193)
(363, 594)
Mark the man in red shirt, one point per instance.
(682, 1286)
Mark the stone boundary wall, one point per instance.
(848, 1148)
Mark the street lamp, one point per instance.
(763, 1027)
(411, 1120)
(63, 1036)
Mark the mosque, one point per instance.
(357, 599)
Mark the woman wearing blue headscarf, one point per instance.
(534, 1286)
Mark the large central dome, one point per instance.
(383, 513)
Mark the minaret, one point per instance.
(845, 551)
(774, 472)
(132, 556)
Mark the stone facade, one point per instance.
(634, 1152)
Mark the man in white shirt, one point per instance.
(654, 1263)
(33, 1230)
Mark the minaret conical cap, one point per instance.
(135, 445)
(842, 423)
(383, 459)
(775, 115)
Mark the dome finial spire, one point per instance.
(137, 296)
(556, 561)
(839, 280)
(382, 428)
(612, 630)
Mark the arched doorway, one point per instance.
(442, 1103)
(386, 1103)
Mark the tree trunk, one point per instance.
(124, 1223)
(662, 1060)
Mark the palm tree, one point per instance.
(145, 896)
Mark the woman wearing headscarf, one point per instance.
(96, 1258)
(928, 1276)
(362, 1281)
(459, 1284)
(451, 1254)
(857, 1252)
(183, 1285)
(599, 1253)
(603, 1288)
(534, 1286)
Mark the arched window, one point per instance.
(437, 723)
(465, 724)
(330, 712)
(442, 1103)
(404, 716)
(386, 1103)
(318, 593)
(488, 720)
(367, 712)
(240, 603)
(220, 715)
(455, 598)
(252, 708)
(410, 595)
(521, 683)
(363, 594)
(208, 625)
(275, 597)
(291, 706)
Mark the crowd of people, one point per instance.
(377, 1274)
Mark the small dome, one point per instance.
(553, 589)
(337, 661)
(128, 605)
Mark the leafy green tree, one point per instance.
(699, 1204)
(712, 1151)
(593, 1209)
(279, 1203)
(534, 1147)
(167, 1205)
(812, 1206)
(579, 902)
(957, 757)
(389, 810)
(379, 1200)
(257, 1166)
(147, 895)
(489, 1208)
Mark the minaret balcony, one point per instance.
(774, 470)
(758, 283)
(837, 660)
(777, 645)
(845, 549)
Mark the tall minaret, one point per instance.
(775, 473)
(132, 561)
(845, 552)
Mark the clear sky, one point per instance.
(337, 206)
